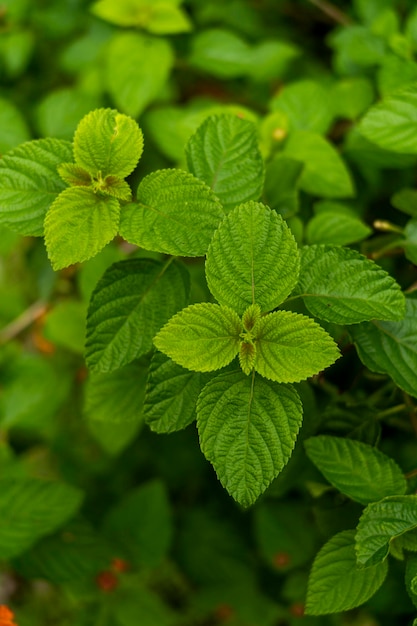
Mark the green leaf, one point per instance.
(141, 523)
(351, 97)
(392, 123)
(252, 259)
(247, 427)
(340, 285)
(203, 337)
(390, 348)
(31, 509)
(74, 175)
(224, 153)
(411, 578)
(65, 325)
(306, 105)
(137, 68)
(59, 112)
(161, 17)
(380, 523)
(29, 183)
(358, 470)
(13, 128)
(291, 347)
(107, 142)
(334, 227)
(325, 174)
(405, 200)
(410, 243)
(78, 225)
(335, 583)
(175, 213)
(114, 437)
(116, 396)
(281, 185)
(131, 302)
(171, 395)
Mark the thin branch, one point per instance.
(34, 312)
(333, 12)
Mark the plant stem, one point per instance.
(34, 312)
(333, 12)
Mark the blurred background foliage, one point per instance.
(157, 542)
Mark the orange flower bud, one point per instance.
(6, 616)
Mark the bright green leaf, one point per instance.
(116, 396)
(29, 183)
(171, 395)
(203, 337)
(108, 143)
(336, 228)
(325, 174)
(247, 427)
(252, 259)
(137, 68)
(161, 17)
(78, 225)
(306, 105)
(291, 347)
(224, 153)
(392, 123)
(131, 302)
(74, 175)
(351, 97)
(340, 285)
(380, 523)
(31, 509)
(175, 213)
(390, 348)
(335, 583)
(358, 470)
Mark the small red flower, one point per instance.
(6, 616)
(106, 581)
(119, 565)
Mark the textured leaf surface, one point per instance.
(29, 183)
(116, 396)
(390, 348)
(292, 347)
(78, 225)
(336, 228)
(171, 395)
(30, 509)
(340, 285)
(203, 337)
(253, 258)
(358, 470)
(392, 123)
(108, 142)
(224, 153)
(380, 522)
(335, 583)
(324, 173)
(131, 302)
(175, 213)
(137, 68)
(247, 427)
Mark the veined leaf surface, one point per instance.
(253, 258)
(247, 427)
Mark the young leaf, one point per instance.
(291, 347)
(247, 427)
(224, 153)
(157, 16)
(175, 213)
(78, 225)
(358, 470)
(29, 183)
(74, 175)
(340, 285)
(252, 259)
(116, 396)
(335, 583)
(203, 337)
(324, 173)
(380, 523)
(30, 509)
(130, 303)
(171, 395)
(392, 123)
(137, 68)
(390, 348)
(108, 142)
